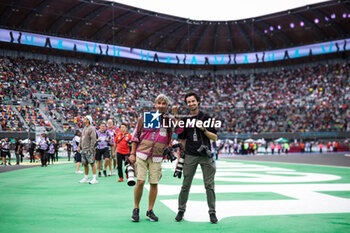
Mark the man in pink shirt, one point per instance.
(147, 150)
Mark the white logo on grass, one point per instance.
(301, 198)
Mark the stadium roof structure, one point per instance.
(115, 23)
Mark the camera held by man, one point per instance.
(180, 164)
(130, 173)
(205, 151)
(169, 154)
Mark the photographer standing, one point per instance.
(87, 149)
(121, 147)
(5, 151)
(76, 151)
(43, 147)
(196, 142)
(147, 151)
(102, 150)
(31, 151)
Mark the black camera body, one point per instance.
(168, 152)
(205, 151)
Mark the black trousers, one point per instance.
(31, 155)
(120, 159)
(68, 153)
(52, 157)
(56, 155)
(43, 157)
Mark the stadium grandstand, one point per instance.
(279, 83)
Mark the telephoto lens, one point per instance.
(180, 164)
(130, 174)
(179, 167)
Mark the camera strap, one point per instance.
(195, 137)
(122, 138)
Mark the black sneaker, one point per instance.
(180, 216)
(151, 216)
(213, 218)
(105, 173)
(99, 174)
(9, 164)
(135, 215)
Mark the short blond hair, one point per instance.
(162, 97)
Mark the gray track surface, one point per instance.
(330, 159)
(15, 167)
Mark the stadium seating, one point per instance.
(298, 100)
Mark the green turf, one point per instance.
(235, 196)
(51, 200)
(342, 194)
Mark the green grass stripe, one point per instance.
(51, 200)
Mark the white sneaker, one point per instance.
(79, 172)
(94, 181)
(85, 180)
(114, 173)
(110, 173)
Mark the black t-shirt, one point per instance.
(188, 134)
(17, 145)
(32, 147)
(56, 147)
(69, 147)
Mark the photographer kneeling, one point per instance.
(148, 145)
(196, 141)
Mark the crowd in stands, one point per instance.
(31, 115)
(254, 147)
(9, 119)
(299, 100)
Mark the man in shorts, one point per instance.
(77, 155)
(87, 148)
(102, 150)
(5, 151)
(148, 146)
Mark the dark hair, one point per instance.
(76, 132)
(123, 123)
(192, 94)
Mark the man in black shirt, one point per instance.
(31, 151)
(69, 150)
(21, 146)
(194, 138)
(56, 147)
(17, 151)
